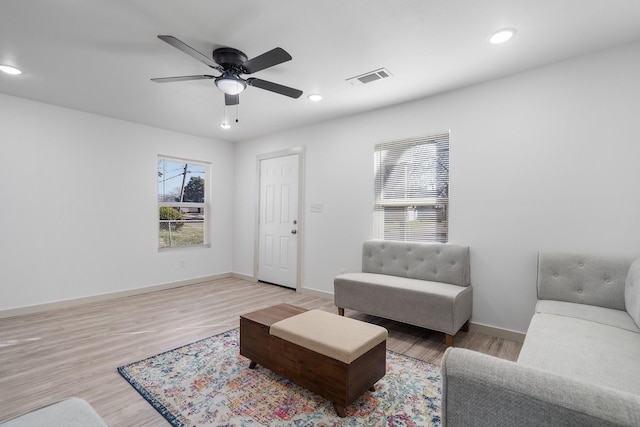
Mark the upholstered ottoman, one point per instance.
(336, 357)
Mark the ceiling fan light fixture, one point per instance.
(225, 125)
(231, 85)
(10, 70)
(502, 36)
(315, 97)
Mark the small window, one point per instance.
(183, 203)
(412, 189)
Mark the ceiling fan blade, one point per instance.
(231, 99)
(268, 59)
(181, 78)
(188, 50)
(274, 87)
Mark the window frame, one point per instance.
(433, 202)
(205, 206)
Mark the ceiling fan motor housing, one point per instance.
(229, 57)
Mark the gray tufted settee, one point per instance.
(580, 361)
(423, 284)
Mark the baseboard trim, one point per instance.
(38, 308)
(244, 277)
(316, 293)
(506, 334)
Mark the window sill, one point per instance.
(181, 248)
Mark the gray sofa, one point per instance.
(422, 284)
(580, 361)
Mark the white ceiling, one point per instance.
(98, 55)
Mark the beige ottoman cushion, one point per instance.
(335, 336)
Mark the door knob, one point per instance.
(294, 231)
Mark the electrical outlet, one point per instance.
(343, 270)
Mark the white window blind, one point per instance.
(412, 189)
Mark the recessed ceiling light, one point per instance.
(10, 70)
(225, 125)
(315, 97)
(502, 36)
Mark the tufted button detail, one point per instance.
(607, 280)
(579, 291)
(580, 264)
(555, 274)
(438, 251)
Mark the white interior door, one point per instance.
(278, 252)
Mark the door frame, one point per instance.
(301, 220)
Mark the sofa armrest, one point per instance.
(481, 390)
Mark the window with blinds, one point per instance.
(412, 189)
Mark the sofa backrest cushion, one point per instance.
(632, 292)
(584, 279)
(437, 262)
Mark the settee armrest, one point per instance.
(481, 390)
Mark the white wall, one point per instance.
(543, 160)
(79, 205)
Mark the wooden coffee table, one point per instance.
(341, 383)
(255, 342)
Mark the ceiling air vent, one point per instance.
(369, 77)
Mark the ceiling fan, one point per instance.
(231, 63)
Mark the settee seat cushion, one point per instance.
(583, 350)
(434, 305)
(606, 316)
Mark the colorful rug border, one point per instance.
(166, 413)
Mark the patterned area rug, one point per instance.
(207, 383)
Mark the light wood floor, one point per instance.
(75, 351)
